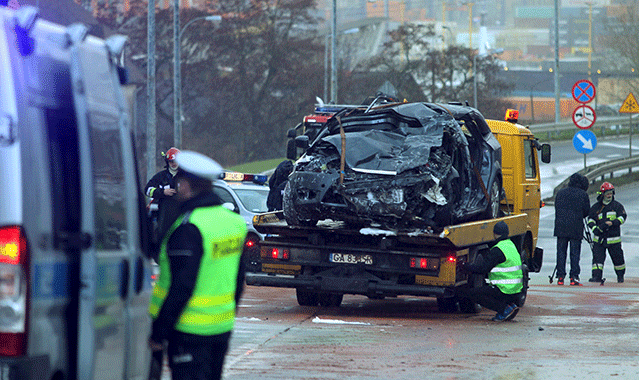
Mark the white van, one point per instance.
(74, 279)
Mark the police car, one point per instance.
(245, 194)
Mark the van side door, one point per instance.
(104, 263)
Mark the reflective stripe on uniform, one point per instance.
(508, 281)
(620, 267)
(506, 269)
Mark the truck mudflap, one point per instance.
(359, 284)
(24, 368)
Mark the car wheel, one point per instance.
(447, 304)
(290, 214)
(492, 209)
(330, 299)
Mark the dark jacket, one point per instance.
(185, 267)
(168, 207)
(599, 214)
(571, 207)
(277, 183)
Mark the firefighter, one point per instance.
(604, 220)
(161, 189)
(503, 266)
(201, 279)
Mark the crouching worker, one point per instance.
(503, 266)
(201, 279)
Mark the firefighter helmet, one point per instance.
(606, 186)
(171, 153)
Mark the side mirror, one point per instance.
(229, 206)
(545, 153)
(302, 142)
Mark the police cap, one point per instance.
(198, 165)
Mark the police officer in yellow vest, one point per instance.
(503, 266)
(194, 300)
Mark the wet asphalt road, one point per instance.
(563, 332)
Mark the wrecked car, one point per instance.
(399, 165)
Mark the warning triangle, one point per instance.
(629, 105)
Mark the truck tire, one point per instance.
(306, 297)
(521, 299)
(290, 214)
(447, 304)
(330, 299)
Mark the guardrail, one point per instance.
(602, 123)
(600, 170)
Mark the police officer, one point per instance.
(161, 188)
(503, 266)
(194, 300)
(604, 220)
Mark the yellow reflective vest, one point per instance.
(211, 308)
(508, 276)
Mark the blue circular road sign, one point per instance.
(584, 141)
(583, 91)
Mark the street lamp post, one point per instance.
(177, 79)
(491, 52)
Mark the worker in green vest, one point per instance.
(195, 298)
(502, 264)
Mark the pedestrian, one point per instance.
(201, 277)
(571, 207)
(277, 183)
(502, 264)
(161, 189)
(604, 220)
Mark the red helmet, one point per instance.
(606, 186)
(171, 153)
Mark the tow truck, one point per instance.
(326, 261)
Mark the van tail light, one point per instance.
(14, 274)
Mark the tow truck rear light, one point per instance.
(452, 258)
(14, 272)
(427, 263)
(275, 253)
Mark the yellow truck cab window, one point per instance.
(529, 159)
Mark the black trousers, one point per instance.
(490, 297)
(194, 357)
(562, 253)
(599, 257)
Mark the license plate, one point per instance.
(348, 258)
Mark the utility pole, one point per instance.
(177, 123)
(556, 70)
(151, 148)
(333, 58)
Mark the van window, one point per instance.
(108, 181)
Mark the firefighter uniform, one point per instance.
(604, 220)
(201, 278)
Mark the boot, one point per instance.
(620, 276)
(596, 275)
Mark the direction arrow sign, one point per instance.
(583, 91)
(584, 116)
(584, 141)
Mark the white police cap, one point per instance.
(198, 165)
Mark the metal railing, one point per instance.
(602, 169)
(602, 124)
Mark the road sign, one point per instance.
(583, 91)
(629, 105)
(584, 141)
(584, 116)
